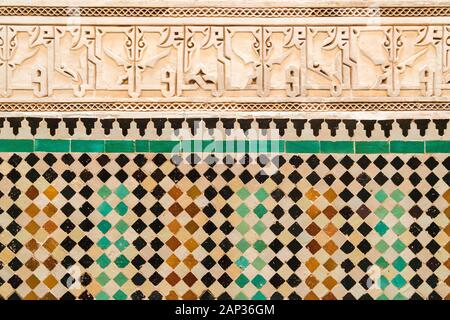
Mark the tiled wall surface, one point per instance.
(256, 213)
(166, 149)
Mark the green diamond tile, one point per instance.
(104, 208)
(398, 228)
(382, 263)
(397, 195)
(120, 295)
(259, 245)
(259, 296)
(120, 279)
(242, 263)
(259, 263)
(121, 244)
(243, 227)
(121, 226)
(121, 191)
(398, 246)
(103, 279)
(121, 261)
(104, 192)
(399, 264)
(104, 226)
(121, 208)
(381, 228)
(243, 193)
(242, 281)
(381, 196)
(398, 211)
(399, 296)
(398, 281)
(260, 210)
(102, 296)
(384, 282)
(261, 194)
(103, 261)
(258, 281)
(259, 227)
(381, 212)
(382, 246)
(242, 245)
(104, 242)
(243, 210)
(240, 296)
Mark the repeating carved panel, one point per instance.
(213, 62)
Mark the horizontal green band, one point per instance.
(10, 145)
(372, 146)
(87, 146)
(302, 146)
(337, 147)
(407, 146)
(224, 146)
(437, 146)
(49, 145)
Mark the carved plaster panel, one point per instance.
(223, 55)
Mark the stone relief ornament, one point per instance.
(173, 62)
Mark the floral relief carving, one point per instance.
(151, 62)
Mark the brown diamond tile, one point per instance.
(32, 192)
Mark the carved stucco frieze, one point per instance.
(224, 61)
(227, 58)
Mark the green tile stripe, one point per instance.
(142, 146)
(224, 146)
(49, 145)
(372, 147)
(10, 145)
(302, 146)
(407, 146)
(437, 146)
(164, 146)
(337, 147)
(87, 146)
(120, 146)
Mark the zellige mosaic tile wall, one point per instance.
(321, 212)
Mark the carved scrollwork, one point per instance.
(173, 62)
